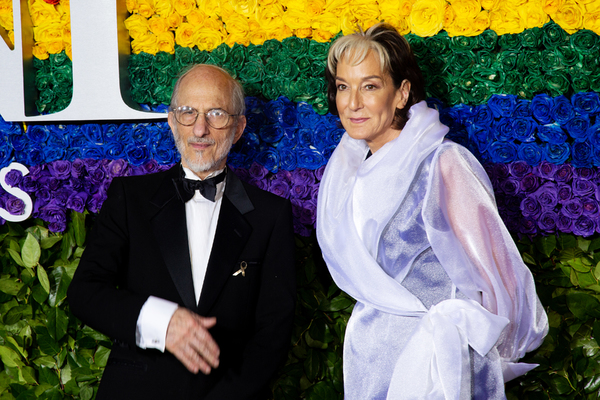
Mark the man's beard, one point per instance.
(200, 164)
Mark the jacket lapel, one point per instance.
(231, 236)
(169, 228)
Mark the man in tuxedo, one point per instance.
(191, 271)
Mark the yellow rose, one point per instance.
(48, 32)
(314, 8)
(322, 36)
(270, 17)
(466, 8)
(66, 33)
(210, 7)
(280, 34)
(184, 7)
(164, 8)
(257, 34)
(263, 3)
(348, 23)
(303, 32)
(551, 6)
(146, 8)
(213, 23)
(327, 22)
(175, 19)
(236, 26)
(184, 35)
(463, 27)
(365, 11)
(296, 19)
(42, 12)
(137, 26)
(482, 21)
(449, 16)
(148, 45)
(68, 50)
(165, 42)
(533, 15)
(132, 6)
(247, 8)
(592, 22)
(337, 7)
(207, 39)
(426, 17)
(39, 51)
(54, 46)
(569, 16)
(196, 18)
(158, 24)
(504, 20)
(401, 8)
(592, 7)
(397, 21)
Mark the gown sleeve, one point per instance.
(476, 250)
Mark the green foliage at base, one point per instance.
(46, 353)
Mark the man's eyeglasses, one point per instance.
(216, 117)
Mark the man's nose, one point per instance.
(201, 127)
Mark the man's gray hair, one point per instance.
(237, 91)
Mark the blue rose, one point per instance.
(116, 133)
(502, 152)
(18, 141)
(164, 152)
(52, 153)
(289, 139)
(271, 133)
(281, 111)
(92, 151)
(530, 152)
(56, 139)
(541, 107)
(483, 116)
(577, 127)
(307, 117)
(581, 154)
(503, 130)
(114, 150)
(502, 105)
(10, 127)
(254, 121)
(37, 133)
(552, 133)
(254, 104)
(138, 133)
(324, 136)
(593, 135)
(562, 111)
(288, 159)
(137, 154)
(481, 136)
(309, 158)
(524, 129)
(93, 133)
(523, 109)
(586, 102)
(556, 153)
(305, 137)
(269, 158)
(34, 155)
(5, 154)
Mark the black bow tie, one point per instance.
(207, 187)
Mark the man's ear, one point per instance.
(171, 121)
(239, 129)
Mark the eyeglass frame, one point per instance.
(174, 109)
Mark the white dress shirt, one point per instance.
(201, 217)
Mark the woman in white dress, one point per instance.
(408, 226)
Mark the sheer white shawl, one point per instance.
(357, 198)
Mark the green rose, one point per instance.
(270, 88)
(589, 63)
(41, 65)
(200, 56)
(581, 82)
(317, 69)
(463, 43)
(512, 82)
(557, 82)
(141, 83)
(295, 46)
(456, 96)
(272, 46)
(551, 60)
(236, 58)
(44, 80)
(439, 45)
(490, 77)
(553, 35)
(529, 61)
(479, 94)
(184, 56)
(417, 44)
(43, 103)
(508, 59)
(531, 37)
(272, 66)
(466, 80)
(532, 85)
(257, 51)
(318, 51)
(595, 83)
(485, 58)
(59, 59)
(585, 42)
(459, 61)
(304, 63)
(487, 39)
(252, 72)
(220, 53)
(253, 89)
(320, 104)
(63, 99)
(63, 75)
(162, 93)
(510, 41)
(288, 69)
(162, 77)
(437, 87)
(315, 87)
(162, 60)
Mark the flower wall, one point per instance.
(516, 81)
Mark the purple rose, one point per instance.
(520, 168)
(56, 218)
(547, 196)
(50, 183)
(564, 223)
(117, 167)
(242, 173)
(545, 170)
(260, 183)
(280, 187)
(94, 202)
(97, 176)
(60, 197)
(530, 183)
(300, 191)
(590, 206)
(583, 187)
(91, 164)
(564, 192)
(564, 173)
(547, 221)
(510, 186)
(13, 177)
(527, 226)
(530, 207)
(303, 177)
(77, 201)
(29, 184)
(572, 208)
(78, 168)
(501, 171)
(584, 226)
(301, 229)
(60, 169)
(14, 205)
(585, 173)
(257, 171)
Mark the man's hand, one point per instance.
(188, 340)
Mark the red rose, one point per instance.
(53, 2)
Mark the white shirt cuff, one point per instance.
(152, 323)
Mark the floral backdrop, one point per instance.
(516, 81)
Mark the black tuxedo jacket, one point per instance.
(139, 247)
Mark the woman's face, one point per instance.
(367, 100)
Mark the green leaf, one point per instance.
(16, 256)
(31, 251)
(580, 264)
(49, 241)
(10, 286)
(57, 322)
(340, 303)
(78, 220)
(39, 293)
(48, 375)
(101, 356)
(546, 245)
(583, 244)
(58, 290)
(322, 391)
(47, 344)
(86, 393)
(314, 343)
(52, 394)
(528, 259)
(583, 305)
(9, 357)
(560, 385)
(43, 278)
